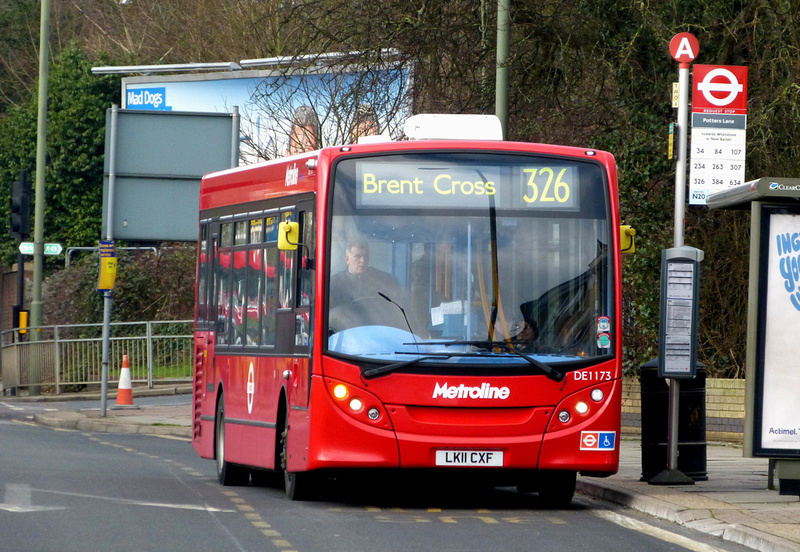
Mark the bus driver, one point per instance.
(359, 279)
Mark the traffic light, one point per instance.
(21, 207)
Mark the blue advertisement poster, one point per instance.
(287, 110)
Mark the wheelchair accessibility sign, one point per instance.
(598, 440)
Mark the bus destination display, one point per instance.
(548, 186)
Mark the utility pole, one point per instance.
(501, 80)
(41, 164)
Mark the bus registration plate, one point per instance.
(469, 458)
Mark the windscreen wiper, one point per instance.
(388, 368)
(510, 346)
(549, 371)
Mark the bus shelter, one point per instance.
(772, 408)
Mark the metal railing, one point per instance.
(66, 358)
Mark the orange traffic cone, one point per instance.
(124, 391)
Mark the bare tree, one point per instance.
(339, 90)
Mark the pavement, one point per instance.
(734, 504)
(173, 420)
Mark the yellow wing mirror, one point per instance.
(288, 236)
(626, 240)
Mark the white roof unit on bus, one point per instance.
(374, 138)
(440, 126)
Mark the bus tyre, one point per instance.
(227, 473)
(556, 489)
(298, 485)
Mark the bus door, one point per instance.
(302, 302)
(204, 376)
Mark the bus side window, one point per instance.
(305, 272)
(269, 301)
(222, 283)
(305, 280)
(202, 276)
(254, 282)
(238, 293)
(285, 272)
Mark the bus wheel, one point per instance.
(298, 485)
(227, 473)
(557, 488)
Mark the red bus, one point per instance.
(449, 305)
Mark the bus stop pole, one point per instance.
(678, 237)
(680, 169)
(672, 475)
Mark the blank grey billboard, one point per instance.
(153, 167)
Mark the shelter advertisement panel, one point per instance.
(777, 422)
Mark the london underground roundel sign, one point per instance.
(720, 89)
(684, 47)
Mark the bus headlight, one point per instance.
(358, 403)
(581, 406)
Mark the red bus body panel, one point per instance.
(523, 426)
(414, 423)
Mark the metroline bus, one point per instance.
(483, 340)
